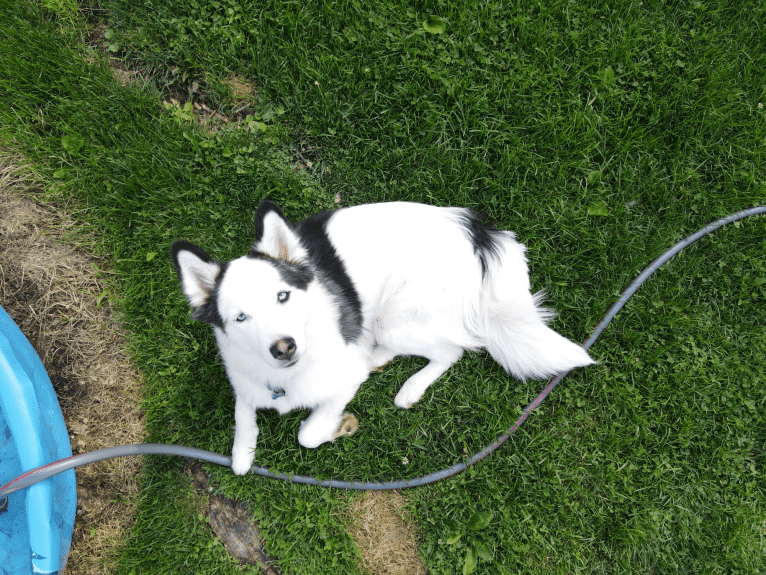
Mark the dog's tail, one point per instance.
(515, 328)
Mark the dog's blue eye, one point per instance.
(241, 317)
(283, 296)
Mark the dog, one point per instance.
(314, 307)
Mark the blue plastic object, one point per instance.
(36, 528)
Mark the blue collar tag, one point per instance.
(276, 392)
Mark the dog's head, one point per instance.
(259, 301)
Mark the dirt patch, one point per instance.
(55, 293)
(385, 534)
(185, 98)
(232, 523)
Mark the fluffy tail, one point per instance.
(515, 330)
(525, 346)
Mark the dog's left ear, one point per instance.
(274, 235)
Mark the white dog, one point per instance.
(313, 308)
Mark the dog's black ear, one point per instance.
(197, 271)
(275, 236)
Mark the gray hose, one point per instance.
(46, 471)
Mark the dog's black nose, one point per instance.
(283, 349)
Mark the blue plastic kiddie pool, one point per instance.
(36, 525)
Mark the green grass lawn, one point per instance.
(601, 133)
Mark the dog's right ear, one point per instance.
(197, 271)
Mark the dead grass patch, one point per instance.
(53, 292)
(384, 534)
(241, 89)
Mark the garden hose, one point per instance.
(46, 471)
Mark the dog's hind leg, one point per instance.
(348, 426)
(327, 421)
(414, 388)
(381, 357)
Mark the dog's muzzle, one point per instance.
(284, 350)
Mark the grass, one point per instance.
(599, 133)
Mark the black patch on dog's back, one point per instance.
(484, 237)
(332, 270)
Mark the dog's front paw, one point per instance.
(408, 396)
(348, 425)
(242, 460)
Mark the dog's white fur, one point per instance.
(426, 286)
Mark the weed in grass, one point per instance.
(66, 10)
(474, 550)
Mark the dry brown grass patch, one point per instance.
(241, 90)
(384, 533)
(51, 289)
